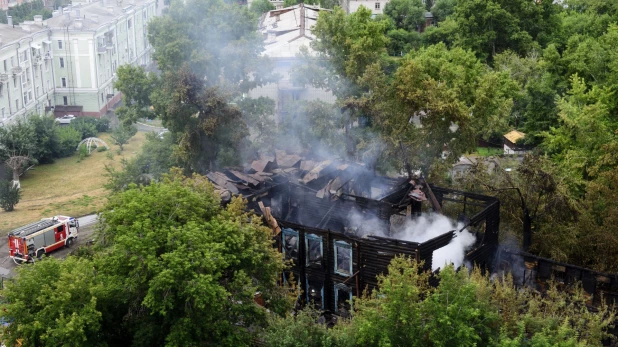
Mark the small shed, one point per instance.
(510, 143)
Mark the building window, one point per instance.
(3, 115)
(129, 24)
(5, 66)
(25, 98)
(61, 62)
(46, 65)
(14, 82)
(65, 100)
(59, 44)
(17, 104)
(30, 95)
(48, 85)
(289, 238)
(343, 298)
(24, 56)
(313, 250)
(1, 89)
(377, 5)
(12, 61)
(64, 82)
(343, 258)
(315, 293)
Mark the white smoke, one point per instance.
(426, 227)
(365, 224)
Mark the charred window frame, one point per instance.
(290, 244)
(343, 258)
(315, 292)
(343, 298)
(314, 250)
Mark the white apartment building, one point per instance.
(67, 64)
(285, 32)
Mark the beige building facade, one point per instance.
(71, 59)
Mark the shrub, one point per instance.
(101, 149)
(102, 125)
(68, 139)
(9, 195)
(87, 126)
(83, 152)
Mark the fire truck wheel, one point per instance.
(41, 254)
(69, 243)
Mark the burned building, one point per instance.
(339, 224)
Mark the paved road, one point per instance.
(86, 228)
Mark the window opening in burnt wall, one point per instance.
(313, 250)
(343, 298)
(343, 258)
(315, 293)
(290, 244)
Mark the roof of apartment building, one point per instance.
(288, 29)
(12, 33)
(93, 15)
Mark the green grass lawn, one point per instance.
(488, 151)
(69, 186)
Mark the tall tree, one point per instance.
(407, 14)
(136, 86)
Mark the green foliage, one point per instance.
(302, 330)
(262, 6)
(82, 153)
(203, 120)
(196, 269)
(122, 134)
(156, 157)
(25, 11)
(9, 195)
(197, 34)
(68, 139)
(442, 9)
(86, 126)
(63, 297)
(465, 309)
(136, 85)
(407, 14)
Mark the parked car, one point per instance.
(66, 119)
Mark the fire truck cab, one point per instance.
(37, 239)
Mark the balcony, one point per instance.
(4, 77)
(17, 70)
(37, 60)
(101, 48)
(48, 55)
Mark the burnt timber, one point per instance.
(309, 205)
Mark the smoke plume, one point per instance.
(426, 227)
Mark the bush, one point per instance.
(9, 195)
(68, 139)
(102, 125)
(87, 126)
(101, 149)
(83, 152)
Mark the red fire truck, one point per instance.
(36, 239)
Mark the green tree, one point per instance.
(136, 85)
(207, 126)
(122, 134)
(198, 33)
(262, 6)
(56, 302)
(407, 14)
(190, 268)
(68, 139)
(9, 195)
(442, 9)
(156, 157)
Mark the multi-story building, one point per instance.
(71, 59)
(285, 32)
(26, 71)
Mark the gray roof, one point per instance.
(33, 228)
(10, 33)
